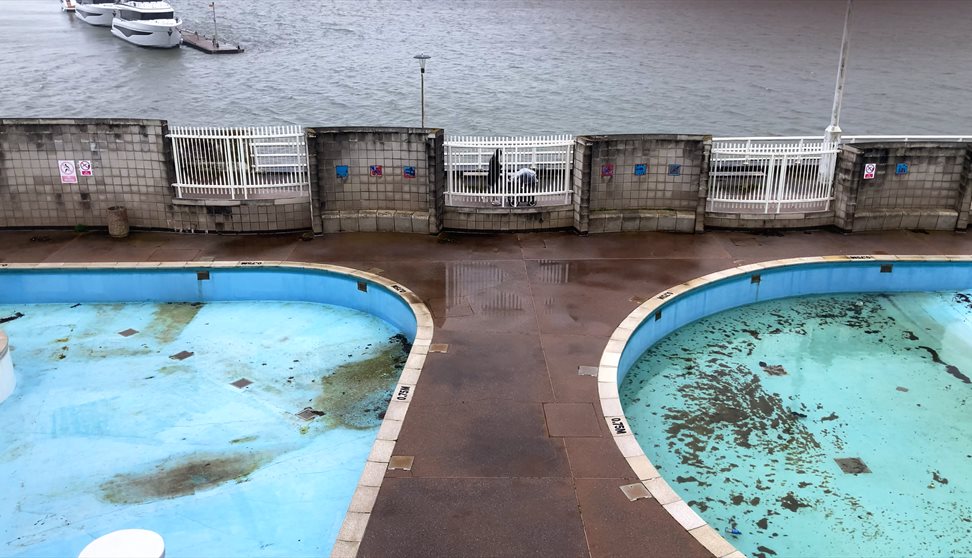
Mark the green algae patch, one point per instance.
(357, 393)
(174, 369)
(180, 476)
(170, 318)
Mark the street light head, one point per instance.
(421, 59)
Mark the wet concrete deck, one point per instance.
(510, 456)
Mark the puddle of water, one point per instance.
(747, 412)
(107, 432)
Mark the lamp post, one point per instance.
(832, 134)
(828, 161)
(422, 58)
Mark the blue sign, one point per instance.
(408, 172)
(641, 169)
(902, 168)
(342, 171)
(674, 169)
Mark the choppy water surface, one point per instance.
(107, 431)
(745, 413)
(739, 67)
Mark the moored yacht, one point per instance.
(148, 24)
(95, 12)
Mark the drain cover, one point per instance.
(439, 348)
(241, 383)
(587, 370)
(309, 413)
(181, 355)
(401, 462)
(128, 332)
(852, 465)
(635, 491)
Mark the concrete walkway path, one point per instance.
(511, 458)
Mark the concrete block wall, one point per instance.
(849, 166)
(931, 194)
(211, 216)
(362, 200)
(129, 164)
(581, 181)
(132, 166)
(508, 220)
(660, 199)
(965, 192)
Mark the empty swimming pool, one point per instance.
(817, 425)
(230, 427)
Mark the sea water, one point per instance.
(746, 414)
(127, 416)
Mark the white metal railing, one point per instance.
(771, 175)
(782, 174)
(489, 171)
(855, 139)
(843, 139)
(240, 163)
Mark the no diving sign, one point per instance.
(69, 175)
(84, 168)
(869, 170)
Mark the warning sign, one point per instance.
(84, 168)
(869, 170)
(69, 174)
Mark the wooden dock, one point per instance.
(206, 44)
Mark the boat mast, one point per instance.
(215, 32)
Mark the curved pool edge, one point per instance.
(362, 502)
(608, 381)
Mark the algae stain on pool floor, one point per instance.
(181, 476)
(170, 319)
(356, 394)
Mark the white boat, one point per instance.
(67, 5)
(95, 12)
(148, 24)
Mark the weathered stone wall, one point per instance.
(915, 186)
(131, 166)
(405, 196)
(620, 183)
(645, 182)
(508, 220)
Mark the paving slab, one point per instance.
(475, 517)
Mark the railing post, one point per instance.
(177, 159)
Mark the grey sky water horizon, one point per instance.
(747, 67)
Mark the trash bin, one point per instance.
(118, 221)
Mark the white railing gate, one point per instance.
(771, 175)
(489, 171)
(240, 163)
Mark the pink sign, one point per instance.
(85, 168)
(869, 170)
(69, 175)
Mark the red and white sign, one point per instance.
(69, 175)
(85, 168)
(869, 170)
